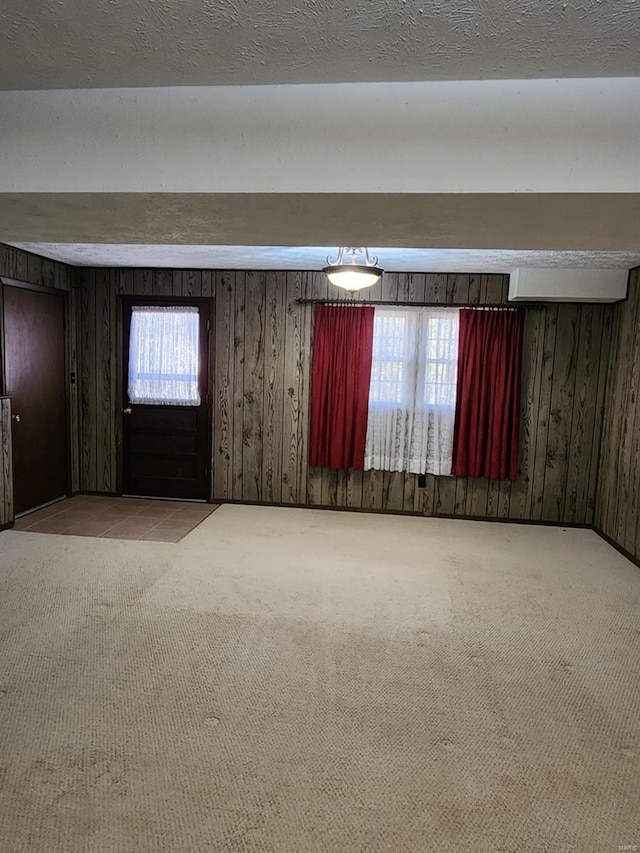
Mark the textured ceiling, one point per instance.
(315, 257)
(50, 44)
(602, 222)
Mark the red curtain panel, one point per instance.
(340, 377)
(487, 425)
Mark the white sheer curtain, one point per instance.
(412, 399)
(163, 356)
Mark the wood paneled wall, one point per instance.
(263, 342)
(618, 500)
(6, 470)
(24, 266)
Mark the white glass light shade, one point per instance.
(353, 277)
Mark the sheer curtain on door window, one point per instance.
(413, 390)
(163, 356)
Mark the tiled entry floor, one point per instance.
(118, 518)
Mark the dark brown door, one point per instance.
(166, 408)
(35, 373)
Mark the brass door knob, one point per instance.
(16, 418)
(127, 411)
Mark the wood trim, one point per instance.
(414, 514)
(211, 391)
(35, 271)
(372, 510)
(494, 519)
(28, 285)
(6, 465)
(164, 300)
(118, 422)
(631, 557)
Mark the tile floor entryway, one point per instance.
(118, 518)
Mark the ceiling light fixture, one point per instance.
(353, 276)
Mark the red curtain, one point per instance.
(487, 425)
(342, 351)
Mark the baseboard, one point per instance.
(414, 514)
(614, 544)
(537, 523)
(6, 526)
(373, 510)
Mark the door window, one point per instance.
(163, 356)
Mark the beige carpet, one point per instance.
(301, 681)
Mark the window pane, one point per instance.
(163, 356)
(440, 368)
(388, 339)
(389, 353)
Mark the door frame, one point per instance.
(127, 301)
(64, 295)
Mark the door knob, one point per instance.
(127, 411)
(16, 418)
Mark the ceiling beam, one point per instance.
(532, 221)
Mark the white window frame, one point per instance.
(407, 430)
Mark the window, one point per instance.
(163, 356)
(413, 390)
(441, 363)
(390, 358)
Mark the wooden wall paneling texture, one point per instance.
(618, 500)
(89, 400)
(563, 371)
(590, 494)
(253, 396)
(6, 470)
(23, 266)
(603, 491)
(629, 512)
(223, 409)
(316, 288)
(105, 287)
(74, 363)
(273, 399)
(607, 498)
(615, 477)
(590, 387)
(544, 387)
(628, 509)
(237, 358)
(263, 345)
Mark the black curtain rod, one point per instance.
(488, 305)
